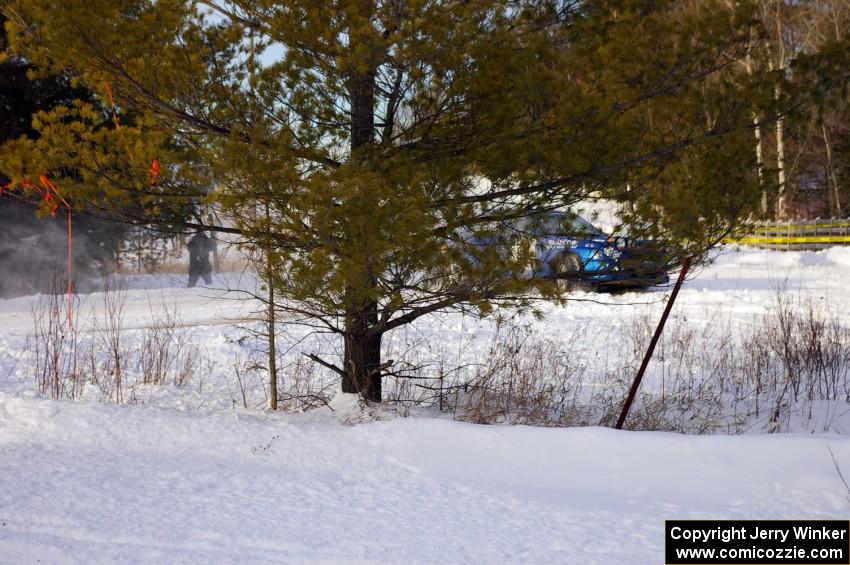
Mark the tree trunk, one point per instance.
(363, 365)
(781, 211)
(781, 197)
(831, 177)
(362, 358)
(748, 64)
(362, 110)
(270, 320)
(760, 164)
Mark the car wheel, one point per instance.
(567, 264)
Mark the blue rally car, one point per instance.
(580, 255)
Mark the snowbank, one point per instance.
(95, 483)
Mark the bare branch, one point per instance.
(324, 363)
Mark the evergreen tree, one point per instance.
(32, 248)
(379, 154)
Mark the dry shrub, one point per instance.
(794, 370)
(66, 360)
(524, 381)
(54, 346)
(302, 385)
(166, 355)
(108, 352)
(787, 371)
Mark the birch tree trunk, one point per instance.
(831, 177)
(759, 150)
(780, 65)
(781, 211)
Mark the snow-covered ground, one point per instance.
(187, 475)
(96, 483)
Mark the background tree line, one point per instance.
(806, 154)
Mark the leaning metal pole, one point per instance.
(636, 384)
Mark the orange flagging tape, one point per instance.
(50, 188)
(112, 105)
(153, 170)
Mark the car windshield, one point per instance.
(561, 224)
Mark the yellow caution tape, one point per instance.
(796, 227)
(768, 240)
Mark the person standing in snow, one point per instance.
(200, 247)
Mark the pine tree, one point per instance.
(396, 144)
(32, 248)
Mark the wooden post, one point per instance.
(636, 384)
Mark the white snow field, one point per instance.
(186, 474)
